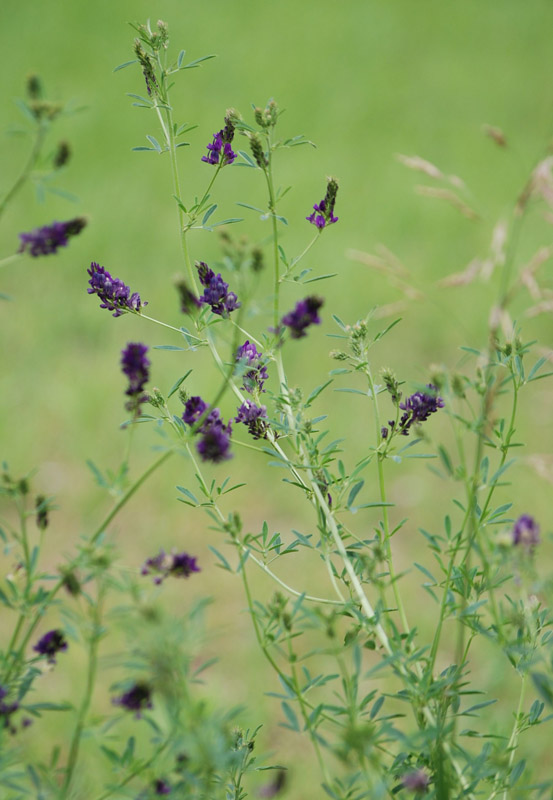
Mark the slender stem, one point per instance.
(303, 253)
(385, 518)
(95, 636)
(137, 770)
(306, 718)
(165, 325)
(10, 259)
(27, 168)
(129, 493)
(512, 743)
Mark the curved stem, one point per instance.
(27, 168)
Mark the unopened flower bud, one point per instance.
(257, 151)
(34, 87)
(62, 155)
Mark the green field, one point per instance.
(364, 80)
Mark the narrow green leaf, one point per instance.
(125, 64)
(291, 716)
(354, 492)
(188, 494)
(316, 392)
(178, 383)
(208, 213)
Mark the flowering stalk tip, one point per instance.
(113, 293)
(46, 240)
(135, 366)
(323, 212)
(304, 315)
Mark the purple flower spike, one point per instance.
(256, 375)
(526, 532)
(50, 644)
(253, 416)
(216, 293)
(220, 149)
(304, 315)
(135, 366)
(46, 240)
(323, 212)
(137, 699)
(418, 408)
(113, 293)
(215, 442)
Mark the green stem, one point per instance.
(27, 168)
(95, 636)
(385, 518)
(9, 259)
(306, 717)
(44, 605)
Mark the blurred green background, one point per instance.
(364, 80)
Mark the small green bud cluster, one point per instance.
(358, 338)
(268, 117)
(156, 399)
(155, 39)
(392, 385)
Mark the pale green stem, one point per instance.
(95, 636)
(297, 260)
(513, 740)
(26, 171)
(165, 325)
(10, 259)
(306, 719)
(385, 519)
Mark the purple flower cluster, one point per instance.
(214, 444)
(254, 417)
(216, 293)
(135, 366)
(46, 240)
(417, 408)
(304, 315)
(50, 644)
(113, 293)
(256, 374)
(137, 698)
(181, 565)
(220, 149)
(323, 212)
(526, 532)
